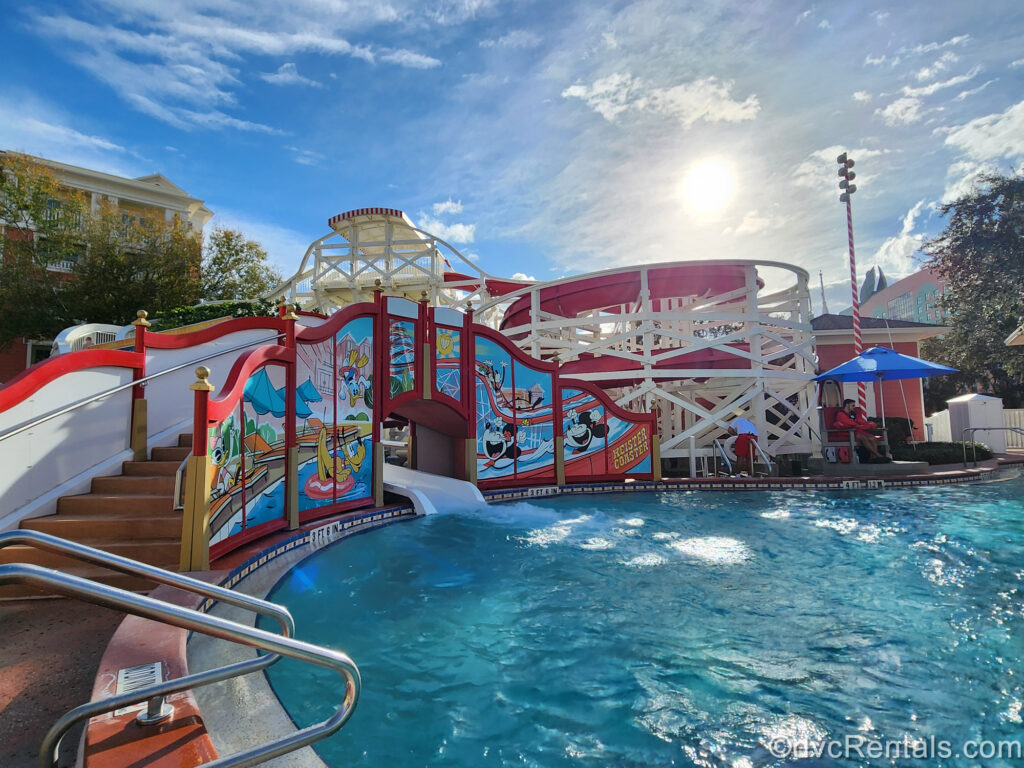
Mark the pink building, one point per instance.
(914, 298)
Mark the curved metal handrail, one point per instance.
(138, 382)
(186, 618)
(974, 445)
(725, 458)
(51, 744)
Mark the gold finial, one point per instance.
(202, 385)
(140, 319)
(469, 306)
(423, 295)
(377, 284)
(289, 313)
(556, 359)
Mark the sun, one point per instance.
(708, 187)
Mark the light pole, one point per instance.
(847, 188)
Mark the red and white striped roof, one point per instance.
(358, 212)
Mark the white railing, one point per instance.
(1014, 418)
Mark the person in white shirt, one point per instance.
(746, 438)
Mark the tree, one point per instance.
(133, 263)
(40, 224)
(235, 267)
(980, 254)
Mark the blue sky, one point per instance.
(546, 138)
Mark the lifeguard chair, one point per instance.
(838, 446)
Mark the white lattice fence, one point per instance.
(1014, 418)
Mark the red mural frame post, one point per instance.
(291, 476)
(195, 552)
(139, 441)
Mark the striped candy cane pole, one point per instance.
(858, 345)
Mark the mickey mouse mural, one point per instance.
(582, 428)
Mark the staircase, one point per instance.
(131, 514)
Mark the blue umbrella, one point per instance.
(262, 395)
(883, 364)
(308, 392)
(302, 410)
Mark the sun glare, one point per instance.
(708, 187)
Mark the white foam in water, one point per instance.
(776, 514)
(596, 544)
(644, 561)
(626, 531)
(560, 531)
(801, 735)
(662, 536)
(714, 549)
(845, 525)
(633, 522)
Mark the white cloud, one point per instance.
(929, 47)
(1017, 64)
(903, 111)
(874, 61)
(523, 276)
(288, 74)
(410, 59)
(179, 61)
(861, 96)
(991, 137)
(824, 24)
(965, 94)
(940, 65)
(448, 206)
(452, 233)
(517, 38)
(305, 156)
(896, 255)
(754, 222)
(611, 43)
(802, 16)
(284, 246)
(37, 128)
(879, 16)
(928, 90)
(707, 99)
(818, 171)
(963, 175)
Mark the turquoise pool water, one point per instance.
(675, 629)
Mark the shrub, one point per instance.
(939, 453)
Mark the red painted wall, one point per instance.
(831, 355)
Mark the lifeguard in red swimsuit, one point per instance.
(848, 418)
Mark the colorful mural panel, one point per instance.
(496, 432)
(402, 340)
(247, 455)
(585, 434)
(448, 357)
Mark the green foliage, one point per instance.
(980, 253)
(200, 313)
(938, 453)
(42, 220)
(134, 263)
(235, 267)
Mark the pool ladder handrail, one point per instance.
(761, 452)
(185, 618)
(974, 445)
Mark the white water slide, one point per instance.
(431, 493)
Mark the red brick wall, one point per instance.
(12, 360)
(831, 355)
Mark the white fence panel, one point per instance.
(1014, 418)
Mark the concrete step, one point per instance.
(115, 504)
(135, 484)
(107, 526)
(172, 453)
(136, 468)
(163, 553)
(119, 580)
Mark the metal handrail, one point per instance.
(99, 594)
(974, 445)
(156, 692)
(764, 458)
(725, 458)
(135, 383)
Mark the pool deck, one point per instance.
(51, 649)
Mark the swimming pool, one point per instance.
(673, 629)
